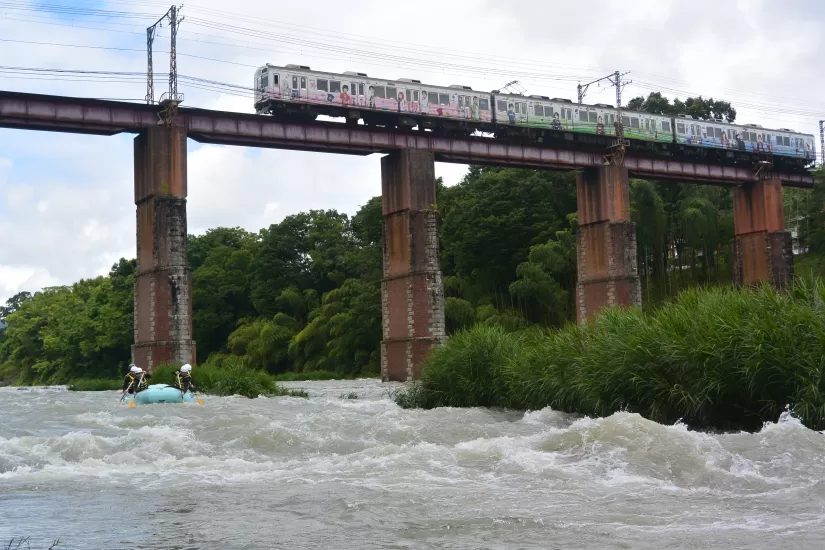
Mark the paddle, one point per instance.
(134, 395)
(124, 393)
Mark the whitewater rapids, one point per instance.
(331, 472)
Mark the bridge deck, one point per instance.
(102, 117)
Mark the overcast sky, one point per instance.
(66, 202)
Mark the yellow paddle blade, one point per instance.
(200, 401)
(131, 404)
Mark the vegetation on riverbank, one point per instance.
(713, 358)
(95, 384)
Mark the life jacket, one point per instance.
(184, 380)
(142, 384)
(129, 382)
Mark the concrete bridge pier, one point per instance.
(163, 294)
(412, 290)
(606, 242)
(762, 250)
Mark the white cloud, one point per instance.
(66, 202)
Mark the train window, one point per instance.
(569, 114)
(360, 89)
(380, 93)
(392, 93)
(294, 82)
(408, 95)
(501, 105)
(611, 120)
(666, 126)
(335, 86)
(484, 104)
(594, 117)
(634, 122)
(548, 112)
(625, 121)
(680, 127)
(275, 80)
(582, 116)
(303, 83)
(717, 132)
(787, 141)
(264, 80)
(539, 110)
(415, 95)
(322, 85)
(443, 99)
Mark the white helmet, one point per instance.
(138, 370)
(186, 368)
(133, 368)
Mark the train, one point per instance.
(298, 92)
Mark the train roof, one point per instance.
(452, 88)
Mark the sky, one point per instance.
(66, 201)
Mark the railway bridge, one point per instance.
(412, 291)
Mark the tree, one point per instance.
(13, 304)
(698, 107)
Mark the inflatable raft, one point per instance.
(161, 393)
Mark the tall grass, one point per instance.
(719, 357)
(227, 376)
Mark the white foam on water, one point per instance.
(366, 461)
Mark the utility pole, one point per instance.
(170, 100)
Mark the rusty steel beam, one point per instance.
(93, 116)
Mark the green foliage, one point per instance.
(63, 333)
(303, 295)
(718, 357)
(704, 109)
(227, 375)
(95, 384)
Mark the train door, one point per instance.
(302, 92)
(521, 112)
(295, 91)
(275, 84)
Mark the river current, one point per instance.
(336, 472)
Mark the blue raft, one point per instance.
(161, 393)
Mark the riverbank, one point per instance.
(719, 358)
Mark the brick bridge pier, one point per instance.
(412, 293)
(163, 290)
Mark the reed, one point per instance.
(713, 358)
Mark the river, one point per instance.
(338, 473)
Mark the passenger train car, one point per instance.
(298, 91)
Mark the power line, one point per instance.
(389, 59)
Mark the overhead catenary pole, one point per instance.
(582, 89)
(616, 157)
(822, 141)
(172, 15)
